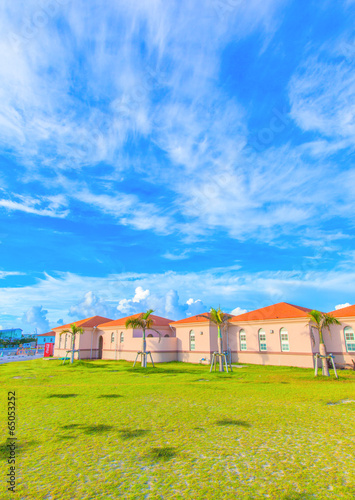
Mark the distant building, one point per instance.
(11, 334)
(45, 338)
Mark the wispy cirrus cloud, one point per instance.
(49, 206)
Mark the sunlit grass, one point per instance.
(98, 430)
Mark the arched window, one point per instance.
(192, 340)
(121, 337)
(65, 342)
(167, 335)
(262, 340)
(349, 339)
(60, 341)
(150, 335)
(243, 340)
(112, 337)
(285, 346)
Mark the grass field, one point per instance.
(101, 430)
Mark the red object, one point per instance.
(48, 349)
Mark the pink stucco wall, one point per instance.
(177, 345)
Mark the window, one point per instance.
(60, 341)
(243, 340)
(262, 340)
(121, 337)
(112, 337)
(192, 340)
(285, 346)
(65, 342)
(349, 339)
(167, 335)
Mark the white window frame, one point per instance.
(65, 343)
(350, 341)
(121, 337)
(60, 341)
(112, 337)
(284, 340)
(262, 341)
(192, 340)
(243, 340)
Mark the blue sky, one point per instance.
(175, 155)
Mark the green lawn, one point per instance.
(101, 430)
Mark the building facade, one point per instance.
(279, 334)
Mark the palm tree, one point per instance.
(219, 318)
(321, 321)
(73, 331)
(145, 322)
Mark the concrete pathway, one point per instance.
(10, 359)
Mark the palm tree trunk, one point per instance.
(72, 349)
(220, 349)
(323, 352)
(144, 350)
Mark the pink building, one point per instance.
(275, 335)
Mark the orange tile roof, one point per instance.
(87, 322)
(158, 321)
(345, 312)
(192, 319)
(45, 334)
(282, 310)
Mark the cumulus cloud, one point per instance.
(341, 306)
(167, 305)
(91, 305)
(238, 310)
(35, 318)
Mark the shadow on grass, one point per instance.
(62, 396)
(5, 450)
(230, 421)
(90, 430)
(109, 396)
(162, 454)
(97, 429)
(130, 434)
(162, 371)
(87, 364)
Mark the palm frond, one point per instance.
(316, 317)
(135, 322)
(147, 314)
(156, 332)
(328, 320)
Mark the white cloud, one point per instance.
(53, 205)
(5, 274)
(341, 306)
(226, 287)
(35, 319)
(322, 94)
(140, 294)
(176, 256)
(238, 310)
(41, 113)
(128, 210)
(91, 305)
